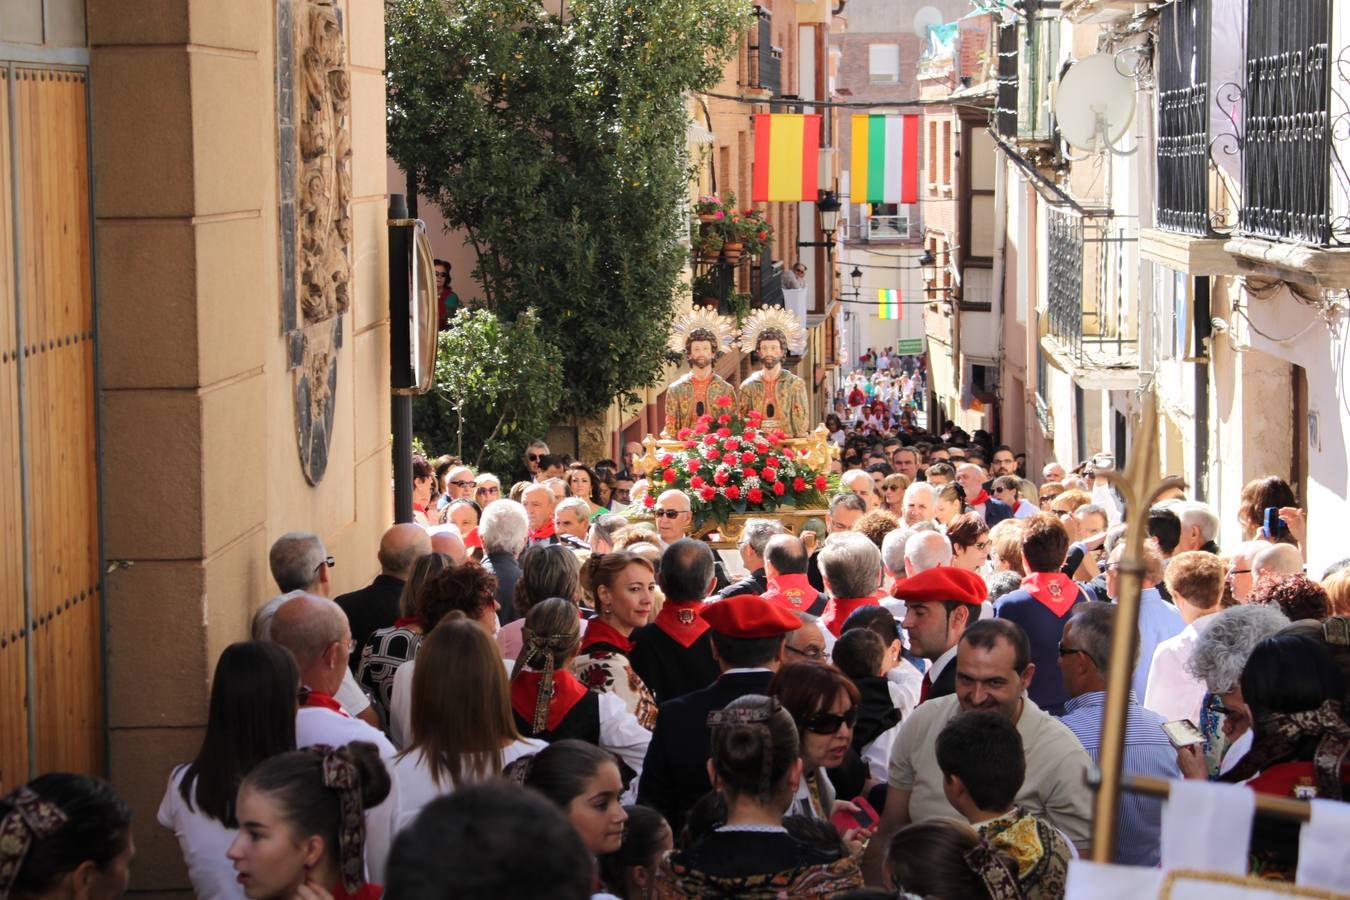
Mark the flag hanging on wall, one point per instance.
(888, 304)
(787, 157)
(885, 160)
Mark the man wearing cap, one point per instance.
(939, 604)
(994, 669)
(747, 640)
(673, 654)
(785, 563)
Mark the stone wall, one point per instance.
(201, 467)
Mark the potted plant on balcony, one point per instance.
(709, 208)
(710, 244)
(756, 232)
(738, 304)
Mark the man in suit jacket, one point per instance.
(747, 639)
(375, 606)
(971, 479)
(754, 540)
(673, 654)
(504, 530)
(939, 604)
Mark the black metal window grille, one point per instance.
(1037, 58)
(1064, 296)
(1087, 293)
(765, 60)
(1287, 127)
(1005, 106)
(1183, 117)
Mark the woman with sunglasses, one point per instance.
(487, 488)
(756, 766)
(823, 704)
(893, 494)
(970, 544)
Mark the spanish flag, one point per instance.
(885, 159)
(888, 304)
(787, 157)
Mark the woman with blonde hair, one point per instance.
(462, 728)
(1337, 586)
(893, 494)
(551, 704)
(1006, 541)
(487, 488)
(950, 503)
(623, 585)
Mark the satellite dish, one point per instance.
(927, 17)
(1094, 104)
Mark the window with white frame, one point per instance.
(883, 63)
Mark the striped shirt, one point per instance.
(1147, 752)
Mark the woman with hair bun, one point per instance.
(64, 835)
(623, 585)
(757, 766)
(551, 704)
(301, 823)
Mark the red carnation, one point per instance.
(748, 434)
(799, 484)
(696, 482)
(710, 440)
(723, 401)
(733, 492)
(769, 473)
(693, 465)
(669, 476)
(724, 432)
(762, 447)
(762, 235)
(683, 434)
(690, 445)
(705, 418)
(821, 483)
(731, 444)
(775, 462)
(748, 472)
(789, 453)
(779, 489)
(667, 459)
(754, 495)
(721, 477)
(747, 457)
(649, 501)
(701, 428)
(714, 454)
(723, 419)
(708, 493)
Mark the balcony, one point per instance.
(1183, 118)
(1005, 105)
(766, 60)
(1091, 323)
(888, 228)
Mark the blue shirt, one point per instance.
(1158, 621)
(1147, 752)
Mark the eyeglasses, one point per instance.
(890, 487)
(1111, 567)
(668, 513)
(1234, 572)
(328, 561)
(1070, 651)
(461, 484)
(811, 652)
(830, 723)
(534, 457)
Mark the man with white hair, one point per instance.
(1053, 471)
(571, 522)
(1199, 527)
(505, 530)
(754, 541)
(673, 516)
(850, 566)
(459, 483)
(1275, 561)
(919, 503)
(861, 483)
(971, 479)
(926, 550)
(299, 562)
(603, 529)
(539, 501)
(315, 630)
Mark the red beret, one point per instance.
(942, 584)
(749, 616)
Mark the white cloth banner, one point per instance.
(794, 300)
(1207, 826)
(1322, 860)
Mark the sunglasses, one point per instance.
(534, 457)
(488, 489)
(668, 513)
(830, 723)
(461, 483)
(1070, 651)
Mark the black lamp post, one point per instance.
(827, 218)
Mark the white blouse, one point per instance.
(416, 787)
(203, 840)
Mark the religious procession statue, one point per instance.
(701, 335)
(775, 393)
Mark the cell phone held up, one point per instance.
(1182, 733)
(1272, 526)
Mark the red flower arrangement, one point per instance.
(731, 465)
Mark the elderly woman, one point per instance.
(486, 488)
(1218, 659)
(893, 489)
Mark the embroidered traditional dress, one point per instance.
(754, 865)
(602, 666)
(1041, 853)
(780, 400)
(689, 397)
(575, 712)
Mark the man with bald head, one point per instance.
(1275, 561)
(673, 516)
(926, 550)
(446, 539)
(1241, 576)
(971, 479)
(375, 606)
(539, 501)
(316, 632)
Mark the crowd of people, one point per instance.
(540, 695)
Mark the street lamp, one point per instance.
(856, 278)
(827, 218)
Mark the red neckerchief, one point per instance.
(981, 497)
(838, 611)
(472, 539)
(364, 892)
(545, 531)
(682, 622)
(418, 507)
(793, 591)
(409, 621)
(567, 692)
(320, 700)
(601, 632)
(1055, 590)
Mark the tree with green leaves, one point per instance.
(496, 386)
(558, 144)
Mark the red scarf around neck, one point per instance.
(981, 497)
(320, 700)
(409, 622)
(838, 611)
(1054, 590)
(682, 621)
(567, 692)
(598, 631)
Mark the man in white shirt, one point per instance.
(994, 669)
(1195, 581)
(316, 632)
(939, 604)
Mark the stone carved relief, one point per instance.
(315, 154)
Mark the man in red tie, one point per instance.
(939, 604)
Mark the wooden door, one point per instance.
(51, 623)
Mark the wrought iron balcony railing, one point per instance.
(1005, 106)
(766, 60)
(1183, 117)
(1088, 271)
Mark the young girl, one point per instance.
(301, 828)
